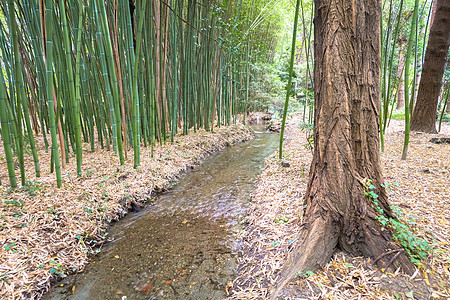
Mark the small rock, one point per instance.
(146, 287)
(285, 164)
(442, 140)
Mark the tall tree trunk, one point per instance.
(425, 110)
(346, 149)
(433, 12)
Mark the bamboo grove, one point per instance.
(117, 74)
(405, 29)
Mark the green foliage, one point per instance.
(55, 269)
(264, 22)
(281, 220)
(304, 274)
(305, 96)
(416, 247)
(308, 129)
(10, 247)
(298, 76)
(446, 118)
(14, 202)
(31, 187)
(405, 25)
(189, 71)
(398, 114)
(4, 277)
(266, 88)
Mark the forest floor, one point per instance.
(419, 191)
(47, 232)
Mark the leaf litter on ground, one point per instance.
(47, 232)
(419, 190)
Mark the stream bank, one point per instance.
(184, 245)
(47, 233)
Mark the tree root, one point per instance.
(387, 253)
(315, 247)
(320, 238)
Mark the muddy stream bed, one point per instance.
(183, 246)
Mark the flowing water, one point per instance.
(183, 246)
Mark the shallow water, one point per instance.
(184, 245)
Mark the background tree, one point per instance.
(346, 159)
(424, 114)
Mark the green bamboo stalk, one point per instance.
(291, 66)
(15, 94)
(5, 131)
(385, 95)
(41, 71)
(408, 101)
(385, 38)
(150, 84)
(49, 23)
(105, 86)
(32, 16)
(73, 98)
(128, 53)
(20, 91)
(110, 67)
(175, 71)
(247, 62)
(444, 106)
(59, 83)
(136, 120)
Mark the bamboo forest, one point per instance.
(224, 149)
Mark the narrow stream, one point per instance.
(184, 245)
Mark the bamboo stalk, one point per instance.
(291, 65)
(49, 23)
(408, 100)
(71, 82)
(5, 132)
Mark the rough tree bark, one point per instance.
(346, 150)
(424, 114)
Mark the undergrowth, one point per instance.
(308, 128)
(398, 114)
(403, 232)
